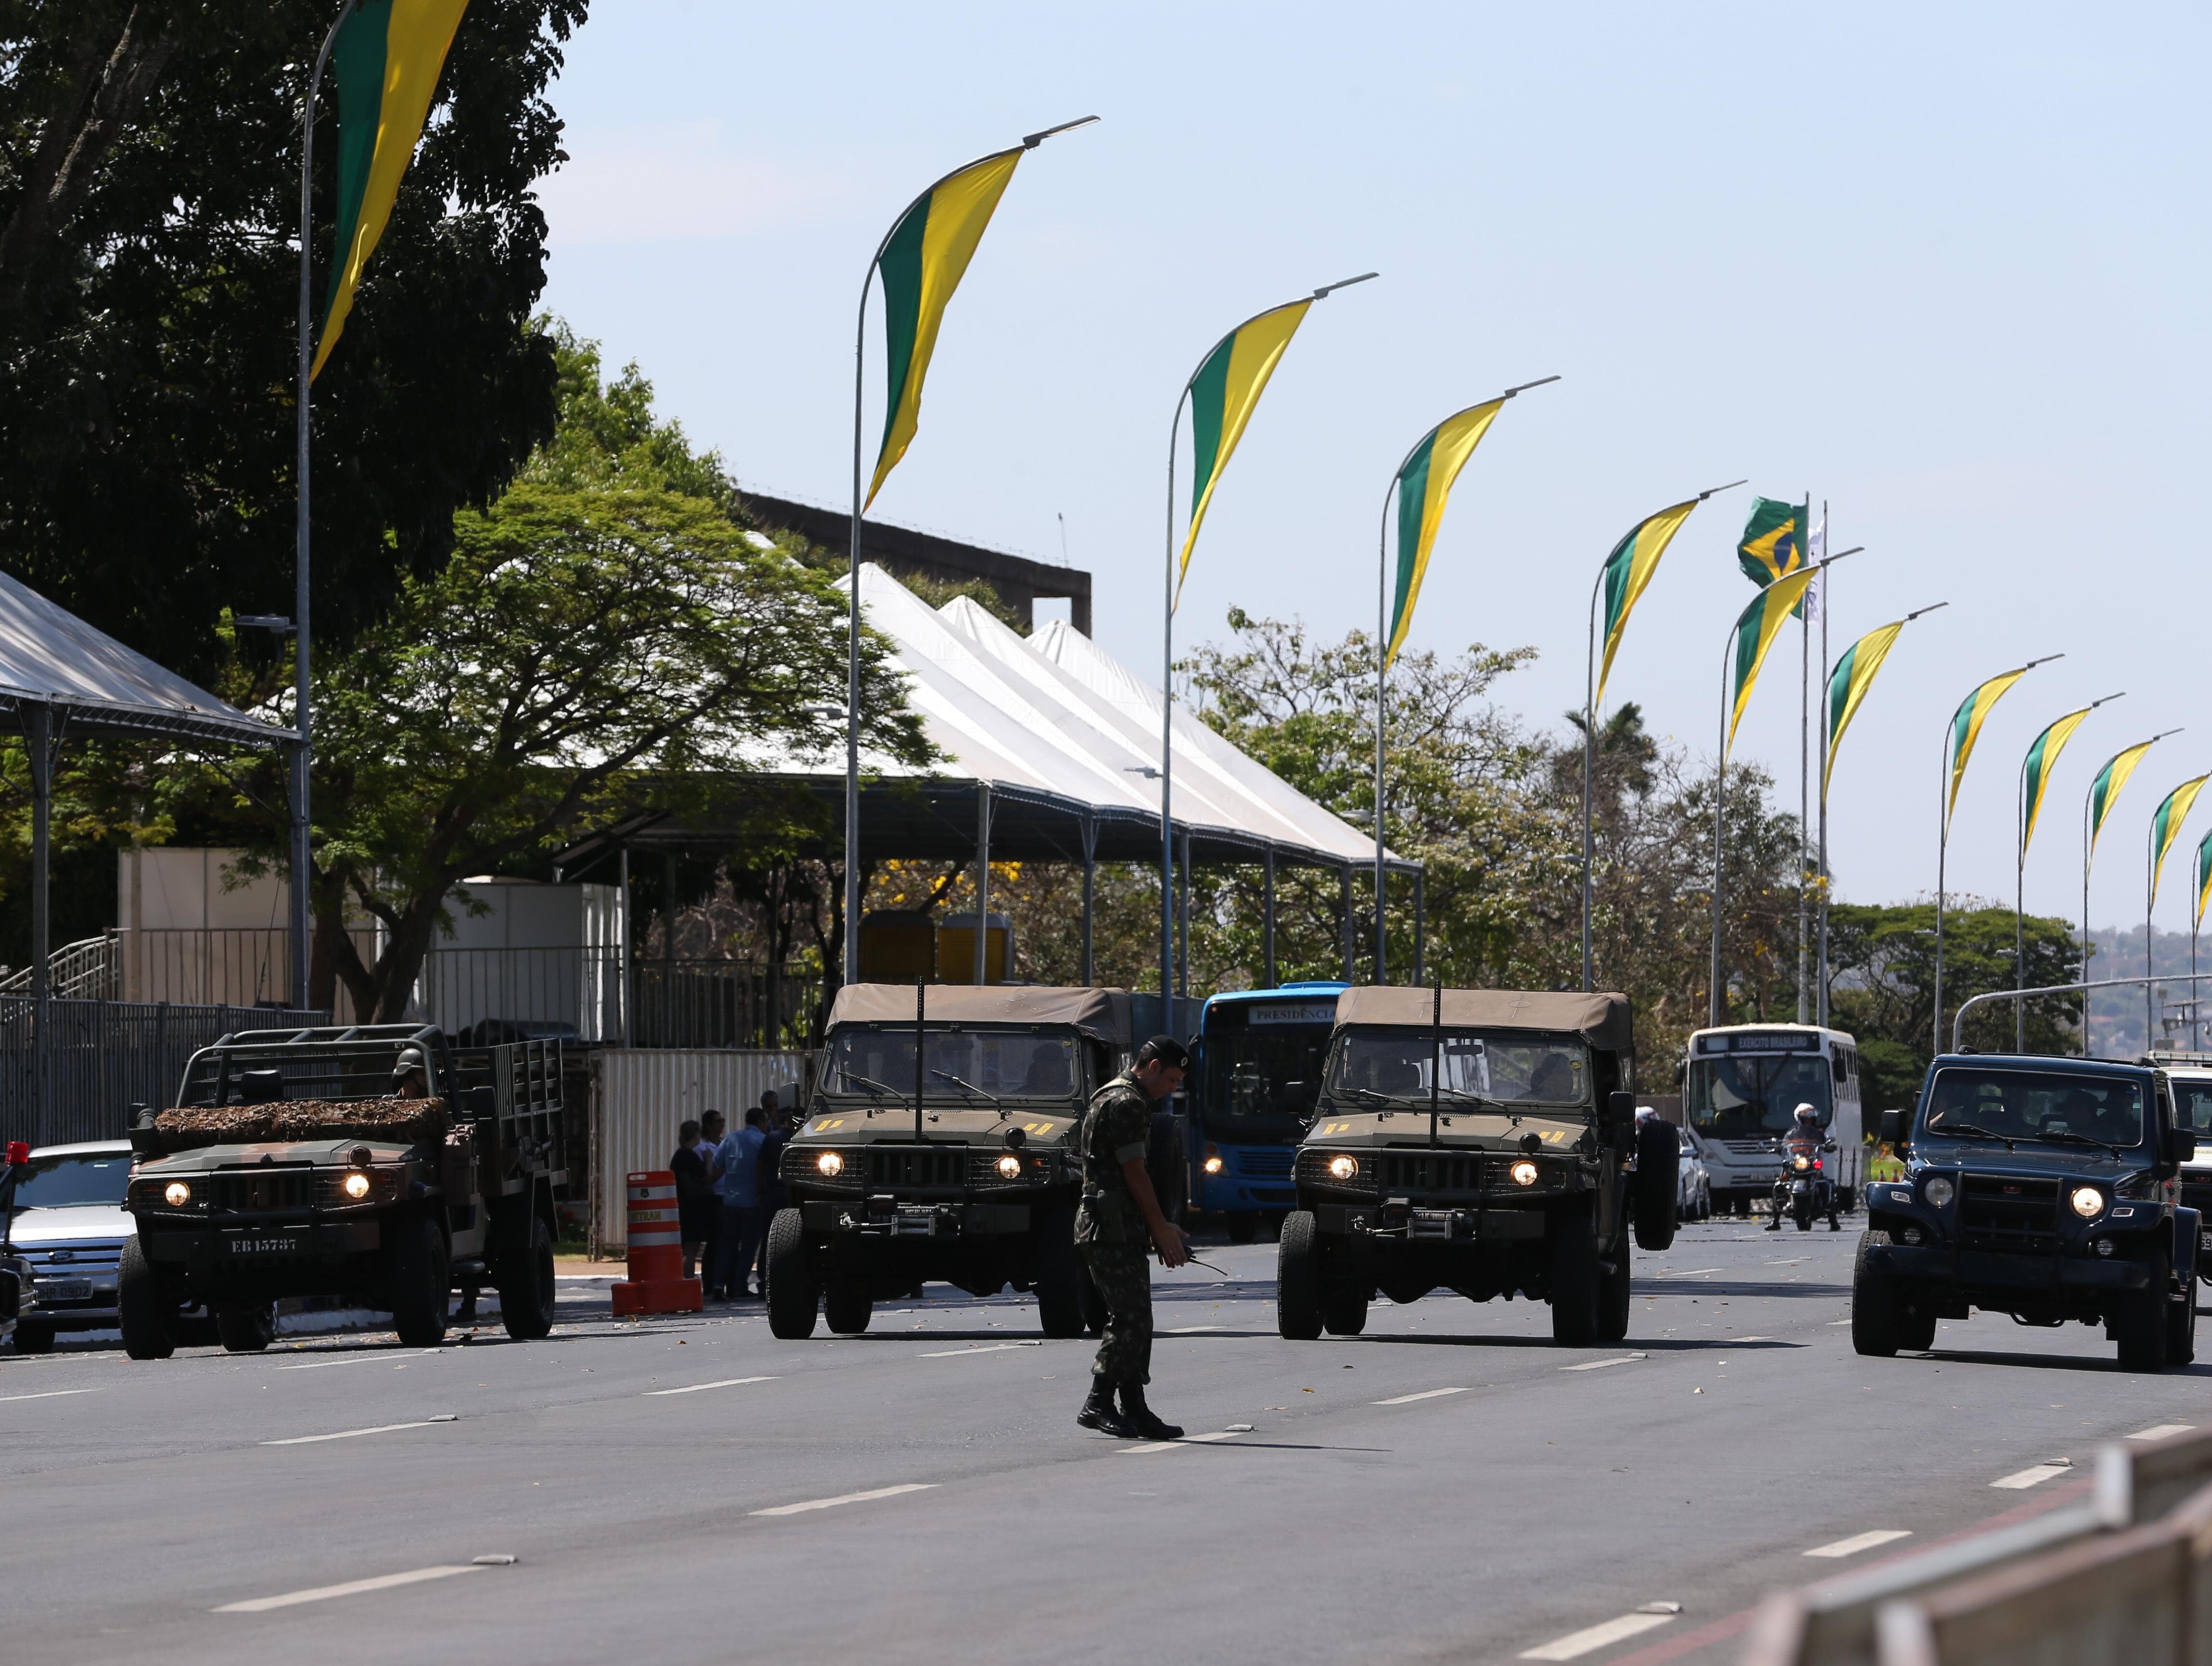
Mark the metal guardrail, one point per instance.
(86, 970)
(2127, 1574)
(1959, 1018)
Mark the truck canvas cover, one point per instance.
(1104, 1013)
(1603, 1020)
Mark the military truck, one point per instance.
(1479, 1141)
(2047, 1189)
(940, 1144)
(377, 1163)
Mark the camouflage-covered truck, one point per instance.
(377, 1163)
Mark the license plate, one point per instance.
(264, 1246)
(64, 1289)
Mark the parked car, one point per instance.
(64, 1219)
(1694, 1201)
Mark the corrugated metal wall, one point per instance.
(639, 1097)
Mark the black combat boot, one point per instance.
(1141, 1420)
(1098, 1413)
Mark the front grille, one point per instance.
(942, 1168)
(1266, 1162)
(1430, 1171)
(2017, 1216)
(2197, 1194)
(73, 1262)
(257, 1191)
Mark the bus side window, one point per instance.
(1837, 1067)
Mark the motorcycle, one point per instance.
(1803, 1190)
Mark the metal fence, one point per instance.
(578, 986)
(722, 1003)
(219, 966)
(100, 1057)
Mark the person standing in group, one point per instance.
(694, 1194)
(742, 1228)
(1119, 1214)
(711, 1126)
(768, 1168)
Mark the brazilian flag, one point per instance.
(386, 60)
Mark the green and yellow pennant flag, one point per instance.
(1628, 569)
(1224, 393)
(386, 60)
(1425, 481)
(1849, 683)
(2166, 825)
(2204, 875)
(1773, 543)
(1966, 729)
(1755, 631)
(921, 263)
(2035, 773)
(2104, 790)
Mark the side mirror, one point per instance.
(2181, 1146)
(1891, 1130)
(481, 1101)
(1619, 1111)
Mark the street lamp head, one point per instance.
(1343, 283)
(1032, 141)
(2107, 700)
(2045, 661)
(1930, 608)
(275, 622)
(1540, 381)
(1730, 487)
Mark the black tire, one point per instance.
(1243, 1226)
(2181, 1325)
(1876, 1308)
(2138, 1320)
(246, 1329)
(1800, 1211)
(1059, 1274)
(1343, 1306)
(1573, 1243)
(846, 1306)
(793, 1294)
(1916, 1328)
(1613, 1293)
(32, 1338)
(421, 1280)
(143, 1308)
(526, 1283)
(1658, 1184)
(1297, 1277)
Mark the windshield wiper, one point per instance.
(970, 1087)
(1951, 1130)
(875, 1087)
(2072, 1138)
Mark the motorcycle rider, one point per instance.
(1805, 1138)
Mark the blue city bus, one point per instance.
(1256, 1071)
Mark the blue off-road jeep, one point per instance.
(2042, 1187)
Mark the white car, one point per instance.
(65, 1219)
(1694, 1199)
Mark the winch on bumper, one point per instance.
(1402, 1221)
(888, 1218)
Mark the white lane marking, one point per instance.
(1600, 1365)
(1575, 1644)
(1793, 1261)
(2161, 1431)
(1425, 1394)
(991, 1347)
(348, 1434)
(51, 1393)
(1687, 1273)
(1191, 1330)
(1186, 1440)
(2035, 1476)
(1858, 1541)
(845, 1498)
(700, 1388)
(363, 1359)
(352, 1587)
(1755, 1339)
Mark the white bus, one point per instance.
(1741, 1092)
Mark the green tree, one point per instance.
(149, 169)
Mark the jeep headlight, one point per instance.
(1523, 1173)
(176, 1194)
(1939, 1193)
(1342, 1167)
(2088, 1203)
(355, 1185)
(830, 1164)
(1009, 1167)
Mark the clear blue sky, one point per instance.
(1941, 266)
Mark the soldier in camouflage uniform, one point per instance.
(1119, 1219)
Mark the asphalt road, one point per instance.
(1448, 1487)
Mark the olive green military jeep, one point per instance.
(1481, 1140)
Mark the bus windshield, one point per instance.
(2192, 1106)
(2033, 1104)
(1261, 1082)
(1753, 1096)
(961, 1065)
(1515, 1069)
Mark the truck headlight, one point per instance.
(1523, 1173)
(1009, 1167)
(2088, 1203)
(356, 1186)
(1939, 1193)
(829, 1163)
(1343, 1168)
(1213, 1163)
(176, 1194)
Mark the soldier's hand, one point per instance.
(1173, 1246)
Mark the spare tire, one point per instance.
(1657, 1183)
